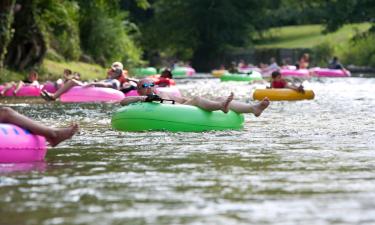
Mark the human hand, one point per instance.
(89, 85)
(300, 89)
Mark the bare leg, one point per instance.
(211, 105)
(257, 109)
(67, 86)
(53, 135)
(19, 85)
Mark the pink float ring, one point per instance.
(190, 71)
(325, 72)
(92, 94)
(50, 87)
(295, 73)
(19, 145)
(25, 91)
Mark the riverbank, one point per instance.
(52, 70)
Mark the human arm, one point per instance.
(132, 99)
(296, 88)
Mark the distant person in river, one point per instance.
(165, 79)
(114, 77)
(31, 80)
(67, 75)
(233, 68)
(335, 64)
(148, 93)
(273, 66)
(54, 136)
(278, 82)
(303, 62)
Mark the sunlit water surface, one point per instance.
(304, 162)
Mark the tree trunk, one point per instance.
(6, 20)
(28, 45)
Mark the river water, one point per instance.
(303, 162)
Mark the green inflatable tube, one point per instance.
(251, 76)
(183, 71)
(169, 117)
(143, 72)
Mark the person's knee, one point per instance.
(195, 99)
(5, 112)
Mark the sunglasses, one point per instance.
(145, 85)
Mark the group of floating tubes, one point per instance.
(292, 72)
(26, 90)
(19, 145)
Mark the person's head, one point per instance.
(166, 74)
(335, 58)
(117, 65)
(276, 75)
(272, 60)
(67, 72)
(77, 76)
(33, 76)
(115, 73)
(305, 56)
(145, 87)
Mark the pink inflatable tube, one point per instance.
(325, 72)
(50, 87)
(92, 94)
(190, 71)
(25, 91)
(169, 90)
(294, 73)
(19, 145)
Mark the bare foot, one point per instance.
(61, 134)
(258, 109)
(226, 103)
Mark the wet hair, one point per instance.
(275, 74)
(168, 72)
(68, 71)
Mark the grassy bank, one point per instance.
(307, 36)
(52, 70)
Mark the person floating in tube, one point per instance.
(148, 93)
(278, 82)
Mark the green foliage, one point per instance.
(360, 51)
(59, 21)
(202, 28)
(6, 33)
(307, 36)
(105, 35)
(322, 53)
(53, 70)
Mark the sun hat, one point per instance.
(117, 65)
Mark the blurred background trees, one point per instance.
(137, 32)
